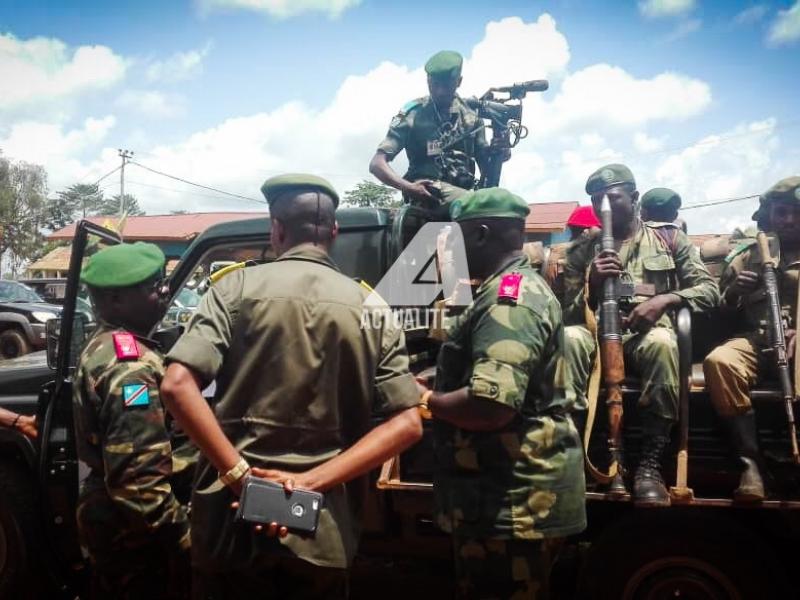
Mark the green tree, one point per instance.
(23, 210)
(370, 194)
(111, 207)
(77, 201)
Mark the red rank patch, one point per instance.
(509, 287)
(125, 346)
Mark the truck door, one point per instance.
(58, 462)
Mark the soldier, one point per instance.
(667, 273)
(25, 424)
(661, 206)
(733, 367)
(435, 174)
(581, 222)
(508, 480)
(298, 380)
(136, 532)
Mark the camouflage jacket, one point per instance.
(654, 267)
(754, 306)
(417, 128)
(526, 480)
(121, 432)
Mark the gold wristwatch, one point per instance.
(239, 470)
(424, 409)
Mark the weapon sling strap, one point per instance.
(592, 394)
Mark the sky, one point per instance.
(694, 95)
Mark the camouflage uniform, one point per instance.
(502, 493)
(417, 128)
(654, 269)
(136, 532)
(732, 368)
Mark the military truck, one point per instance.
(703, 546)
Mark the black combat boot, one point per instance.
(648, 484)
(742, 431)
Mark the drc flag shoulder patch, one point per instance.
(135, 394)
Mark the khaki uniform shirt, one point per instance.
(755, 306)
(298, 379)
(526, 480)
(121, 433)
(417, 128)
(653, 267)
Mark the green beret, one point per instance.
(489, 203)
(444, 64)
(661, 197)
(123, 265)
(299, 183)
(786, 190)
(608, 176)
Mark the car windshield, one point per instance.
(188, 298)
(11, 291)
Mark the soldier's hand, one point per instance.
(289, 481)
(644, 316)
(27, 425)
(605, 265)
(745, 283)
(419, 191)
(272, 530)
(791, 342)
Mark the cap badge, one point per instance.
(607, 175)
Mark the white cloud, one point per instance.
(751, 15)
(683, 29)
(44, 70)
(282, 9)
(178, 67)
(654, 9)
(605, 97)
(49, 144)
(646, 144)
(786, 27)
(151, 103)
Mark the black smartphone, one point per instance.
(266, 502)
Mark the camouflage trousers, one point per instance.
(652, 356)
(286, 578)
(132, 565)
(731, 369)
(503, 569)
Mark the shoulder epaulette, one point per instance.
(411, 105)
(125, 346)
(661, 224)
(741, 247)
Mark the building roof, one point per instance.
(161, 227)
(549, 216)
(55, 260)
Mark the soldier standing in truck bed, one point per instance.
(435, 174)
(667, 273)
(508, 479)
(136, 532)
(734, 367)
(661, 205)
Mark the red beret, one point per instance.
(583, 216)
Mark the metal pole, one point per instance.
(125, 155)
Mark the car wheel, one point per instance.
(13, 344)
(18, 534)
(659, 556)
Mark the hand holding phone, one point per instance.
(265, 502)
